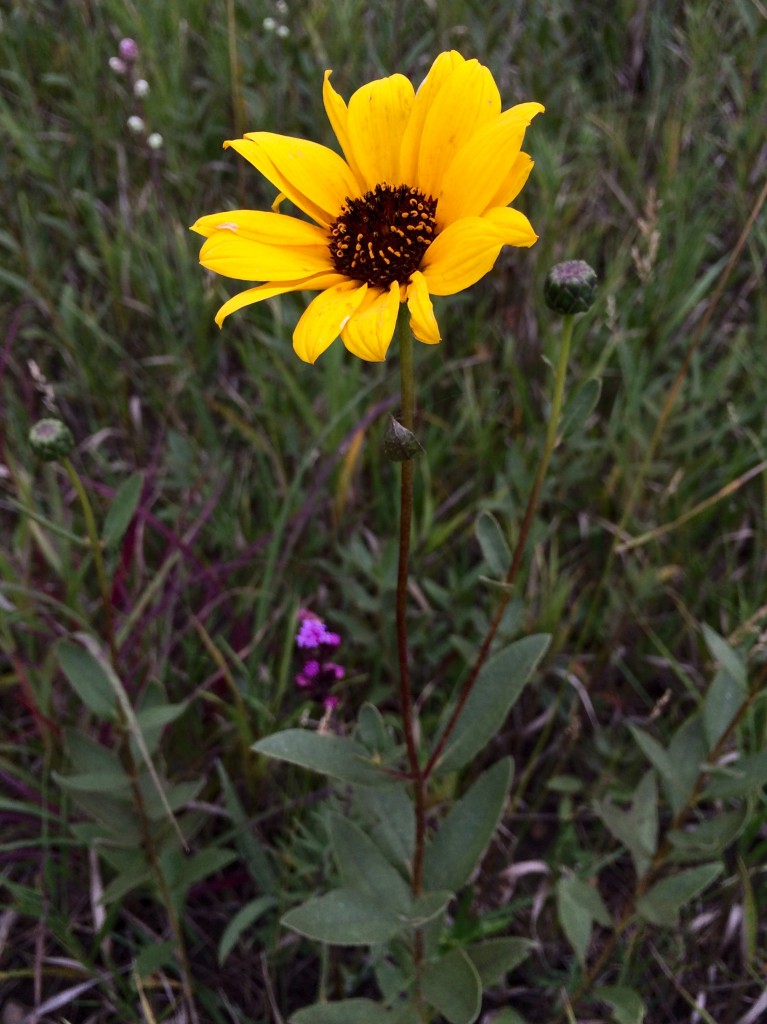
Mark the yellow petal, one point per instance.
(268, 291)
(248, 260)
(461, 255)
(440, 70)
(467, 100)
(325, 317)
(514, 182)
(369, 332)
(313, 177)
(423, 323)
(482, 164)
(513, 226)
(338, 115)
(378, 114)
(276, 229)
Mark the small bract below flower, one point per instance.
(418, 207)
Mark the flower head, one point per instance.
(418, 206)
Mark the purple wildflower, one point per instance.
(315, 642)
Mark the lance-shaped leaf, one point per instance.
(452, 986)
(661, 905)
(625, 1003)
(636, 828)
(364, 867)
(579, 906)
(345, 917)
(495, 548)
(464, 835)
(337, 756)
(498, 686)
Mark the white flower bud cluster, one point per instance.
(124, 63)
(277, 25)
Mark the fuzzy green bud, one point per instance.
(399, 443)
(570, 287)
(51, 440)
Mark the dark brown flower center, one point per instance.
(382, 236)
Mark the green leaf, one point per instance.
(452, 987)
(636, 828)
(662, 903)
(174, 796)
(243, 919)
(687, 753)
(122, 509)
(463, 836)
(87, 755)
(664, 765)
(578, 906)
(746, 776)
(493, 544)
(625, 1003)
(152, 958)
(494, 958)
(347, 1011)
(160, 715)
(133, 875)
(371, 729)
(509, 1016)
(182, 870)
(427, 906)
(337, 756)
(87, 679)
(363, 867)
(117, 784)
(154, 701)
(729, 661)
(498, 686)
(580, 405)
(250, 850)
(345, 917)
(720, 705)
(391, 815)
(710, 838)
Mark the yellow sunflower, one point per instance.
(418, 207)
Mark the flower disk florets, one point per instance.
(382, 236)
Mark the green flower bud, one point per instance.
(399, 443)
(570, 287)
(51, 440)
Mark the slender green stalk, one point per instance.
(524, 532)
(98, 558)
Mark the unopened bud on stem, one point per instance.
(570, 287)
(51, 440)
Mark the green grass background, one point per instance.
(264, 487)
